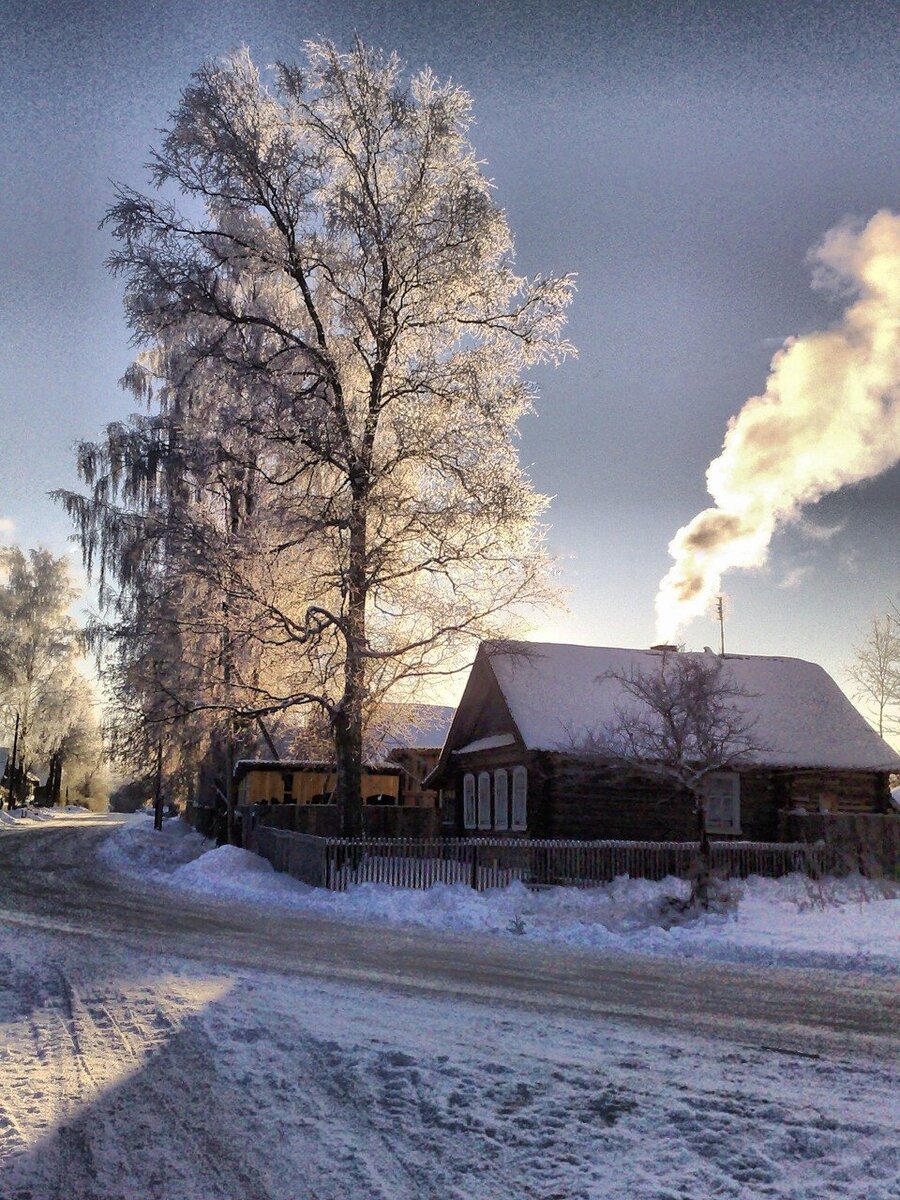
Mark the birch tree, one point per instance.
(875, 672)
(159, 531)
(40, 646)
(322, 274)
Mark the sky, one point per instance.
(681, 158)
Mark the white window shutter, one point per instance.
(469, 801)
(484, 800)
(520, 798)
(501, 799)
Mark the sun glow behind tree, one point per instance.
(335, 342)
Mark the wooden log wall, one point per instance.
(837, 791)
(571, 798)
(582, 800)
(760, 800)
(586, 801)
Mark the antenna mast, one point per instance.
(720, 617)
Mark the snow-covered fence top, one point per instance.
(483, 863)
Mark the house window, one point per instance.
(288, 781)
(501, 800)
(469, 801)
(484, 800)
(520, 798)
(722, 800)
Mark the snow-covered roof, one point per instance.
(422, 727)
(800, 716)
(495, 742)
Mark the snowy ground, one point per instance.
(159, 1045)
(22, 817)
(842, 924)
(131, 1077)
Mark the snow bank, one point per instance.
(138, 849)
(238, 875)
(842, 924)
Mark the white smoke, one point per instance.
(830, 416)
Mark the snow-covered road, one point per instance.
(163, 1046)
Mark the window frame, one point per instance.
(718, 824)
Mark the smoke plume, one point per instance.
(830, 416)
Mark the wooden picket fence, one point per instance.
(481, 863)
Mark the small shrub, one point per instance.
(723, 895)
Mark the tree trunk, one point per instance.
(347, 719)
(54, 782)
(21, 786)
(158, 806)
(348, 787)
(11, 767)
(700, 890)
(230, 796)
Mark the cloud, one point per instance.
(818, 533)
(795, 577)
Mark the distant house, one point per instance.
(401, 755)
(299, 793)
(509, 766)
(414, 744)
(293, 781)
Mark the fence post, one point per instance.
(474, 868)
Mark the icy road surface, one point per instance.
(159, 1046)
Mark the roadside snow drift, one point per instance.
(846, 924)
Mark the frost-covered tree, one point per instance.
(677, 723)
(158, 532)
(333, 304)
(74, 754)
(40, 649)
(875, 672)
